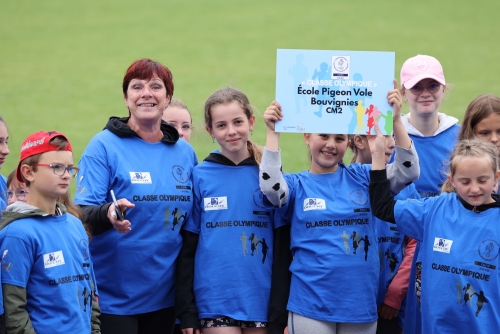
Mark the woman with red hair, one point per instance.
(143, 161)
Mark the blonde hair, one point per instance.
(470, 148)
(481, 107)
(228, 95)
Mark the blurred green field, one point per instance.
(62, 62)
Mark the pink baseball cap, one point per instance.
(39, 143)
(421, 67)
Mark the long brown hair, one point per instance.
(481, 107)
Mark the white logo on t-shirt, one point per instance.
(314, 204)
(442, 245)
(140, 177)
(53, 259)
(215, 203)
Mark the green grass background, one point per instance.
(62, 62)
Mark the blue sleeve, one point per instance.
(411, 216)
(93, 176)
(194, 220)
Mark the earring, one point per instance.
(213, 140)
(251, 132)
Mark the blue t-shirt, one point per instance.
(136, 270)
(333, 240)
(49, 257)
(233, 261)
(4, 197)
(434, 152)
(413, 310)
(460, 259)
(391, 249)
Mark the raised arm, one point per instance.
(271, 181)
(405, 168)
(381, 199)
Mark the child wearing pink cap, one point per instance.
(47, 278)
(434, 135)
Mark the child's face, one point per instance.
(44, 182)
(231, 128)
(474, 180)
(488, 129)
(425, 103)
(17, 192)
(180, 119)
(327, 150)
(4, 139)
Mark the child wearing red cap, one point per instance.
(47, 273)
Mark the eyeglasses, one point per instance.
(20, 194)
(432, 88)
(184, 127)
(59, 170)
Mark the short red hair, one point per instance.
(145, 69)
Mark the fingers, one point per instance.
(122, 226)
(124, 203)
(377, 130)
(273, 114)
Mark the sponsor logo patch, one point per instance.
(140, 177)
(314, 204)
(53, 259)
(442, 245)
(215, 203)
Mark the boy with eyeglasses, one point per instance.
(47, 273)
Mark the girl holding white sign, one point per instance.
(333, 288)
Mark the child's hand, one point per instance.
(387, 312)
(395, 99)
(377, 142)
(272, 115)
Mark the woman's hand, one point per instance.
(271, 116)
(122, 226)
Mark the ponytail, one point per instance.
(255, 151)
(447, 187)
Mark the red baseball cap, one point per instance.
(39, 143)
